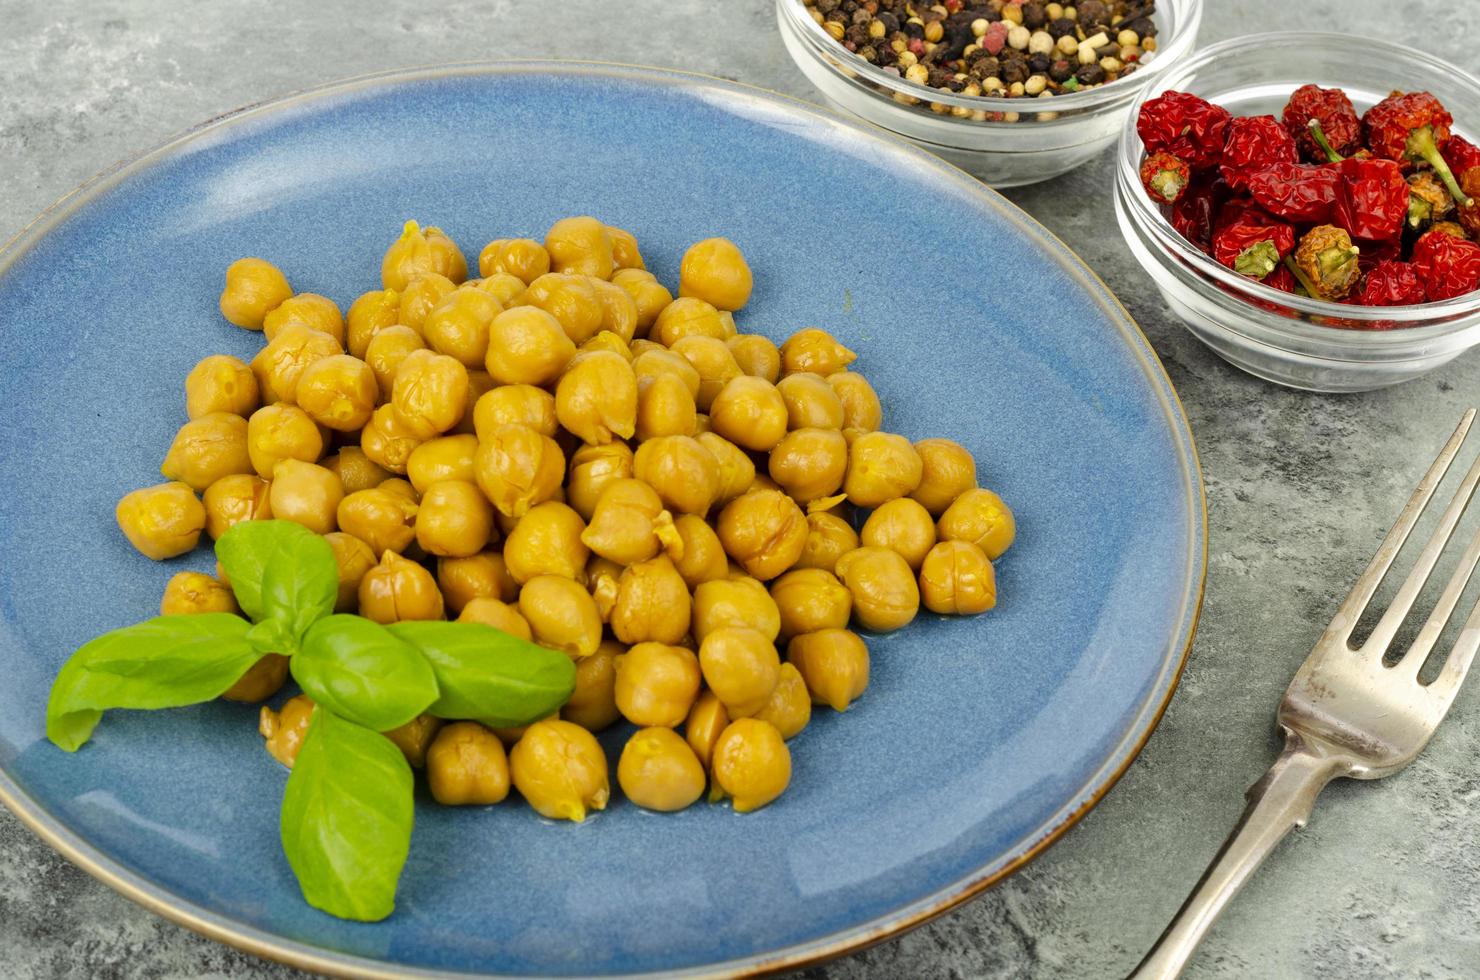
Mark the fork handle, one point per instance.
(1278, 803)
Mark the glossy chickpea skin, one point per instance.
(811, 599)
(810, 402)
(261, 681)
(161, 521)
(560, 770)
(221, 383)
(466, 765)
(397, 589)
(279, 366)
(714, 270)
(195, 592)
(454, 519)
(664, 407)
(684, 473)
(369, 314)
(385, 352)
(629, 524)
(652, 603)
(415, 737)
(659, 771)
(307, 494)
(881, 467)
(903, 526)
(417, 253)
(829, 538)
(751, 764)
(957, 579)
(574, 302)
(385, 521)
(714, 363)
(561, 614)
(750, 412)
(483, 575)
(445, 458)
(741, 603)
(625, 253)
(649, 295)
(352, 558)
(207, 449)
(523, 258)
(700, 555)
(279, 432)
(518, 468)
(356, 470)
(593, 703)
(526, 345)
(602, 577)
(387, 441)
(809, 464)
(741, 667)
(596, 398)
(861, 409)
(500, 615)
(658, 361)
(618, 311)
(547, 541)
(501, 286)
(254, 288)
(834, 665)
(815, 351)
(233, 499)
(422, 295)
(592, 469)
(430, 393)
(735, 467)
(581, 245)
(789, 708)
(458, 325)
(284, 730)
(657, 684)
(756, 355)
(515, 404)
(480, 383)
(981, 517)
(687, 317)
(947, 470)
(308, 310)
(885, 594)
(764, 531)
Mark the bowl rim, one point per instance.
(1180, 43)
(1451, 312)
(218, 926)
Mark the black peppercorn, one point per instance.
(916, 31)
(1015, 67)
(1038, 64)
(827, 6)
(984, 68)
(1144, 26)
(1090, 74)
(1061, 71)
(890, 22)
(858, 34)
(1034, 16)
(938, 76)
(1094, 15)
(1063, 27)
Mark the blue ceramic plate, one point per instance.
(979, 740)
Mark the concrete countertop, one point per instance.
(1386, 879)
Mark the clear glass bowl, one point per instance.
(1050, 137)
(1288, 339)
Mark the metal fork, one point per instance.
(1347, 713)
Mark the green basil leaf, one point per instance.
(488, 675)
(347, 816)
(272, 636)
(360, 671)
(165, 662)
(282, 569)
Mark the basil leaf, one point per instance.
(272, 636)
(488, 675)
(347, 816)
(360, 671)
(165, 662)
(280, 569)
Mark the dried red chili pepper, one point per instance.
(1461, 155)
(1412, 126)
(1448, 266)
(1193, 129)
(1280, 279)
(1335, 113)
(1249, 241)
(1372, 200)
(1254, 143)
(1195, 210)
(1469, 214)
(1375, 253)
(1165, 176)
(1391, 283)
(1296, 191)
(1325, 263)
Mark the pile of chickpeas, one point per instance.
(563, 450)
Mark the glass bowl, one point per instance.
(1293, 340)
(1055, 136)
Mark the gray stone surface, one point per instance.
(1385, 881)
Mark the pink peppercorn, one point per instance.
(993, 41)
(917, 46)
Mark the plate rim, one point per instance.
(34, 814)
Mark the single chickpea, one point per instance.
(649, 295)
(418, 253)
(629, 524)
(957, 579)
(790, 706)
(657, 684)
(829, 537)
(810, 402)
(596, 399)
(526, 345)
(524, 258)
(517, 468)
(353, 558)
(307, 494)
(254, 288)
(195, 592)
(502, 287)
(561, 614)
(261, 681)
(809, 464)
(701, 556)
(756, 355)
(387, 441)
(658, 771)
(815, 351)
(593, 703)
(580, 245)
(500, 615)
(618, 311)
(455, 520)
(657, 361)
(979, 516)
(221, 383)
(430, 393)
(750, 412)
(233, 499)
(688, 317)
(664, 407)
(458, 325)
(741, 603)
(420, 297)
(764, 531)
(834, 665)
(602, 578)
(356, 471)
(903, 526)
(572, 300)
(444, 458)
(751, 764)
(466, 765)
(741, 667)
(279, 365)
(384, 520)
(547, 541)
(707, 720)
(515, 404)
(811, 599)
(308, 310)
(483, 575)
(415, 737)
(625, 253)
(161, 521)
(885, 594)
(592, 469)
(681, 470)
(207, 449)
(285, 729)
(385, 352)
(714, 363)
(947, 470)
(560, 770)
(714, 270)
(652, 603)
(338, 392)
(370, 313)
(861, 408)
(397, 589)
(881, 467)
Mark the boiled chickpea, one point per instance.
(305, 493)
(749, 412)
(415, 737)
(233, 499)
(447, 257)
(385, 352)
(445, 458)
(764, 531)
(400, 487)
(480, 383)
(810, 402)
(254, 288)
(284, 730)
(885, 594)
(195, 592)
(657, 684)
(751, 764)
(687, 317)
(735, 468)
(207, 449)
(947, 471)
(455, 520)
(338, 392)
(625, 253)
(592, 469)
(356, 470)
(279, 432)
(660, 361)
(517, 468)
(261, 681)
(707, 720)
(561, 614)
(714, 270)
(629, 524)
(546, 541)
(834, 665)
(280, 364)
(701, 556)
(387, 441)
(714, 362)
(861, 408)
(811, 599)
(385, 521)
(500, 615)
(502, 287)
(580, 245)
(515, 404)
(572, 300)
(881, 467)
(609, 342)
(815, 351)
(741, 667)
(790, 706)
(413, 255)
(353, 558)
(649, 295)
(220, 383)
(903, 526)
(593, 703)
(466, 764)
(756, 355)
(809, 464)
(602, 578)
(596, 398)
(420, 297)
(523, 258)
(652, 603)
(681, 470)
(742, 603)
(372, 312)
(526, 345)
(560, 770)
(618, 310)
(664, 407)
(458, 326)
(397, 589)
(957, 579)
(829, 537)
(658, 771)
(483, 575)
(161, 521)
(979, 516)
(305, 310)
(430, 393)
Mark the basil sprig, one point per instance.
(347, 807)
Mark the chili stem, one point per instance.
(1301, 278)
(1421, 146)
(1319, 135)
